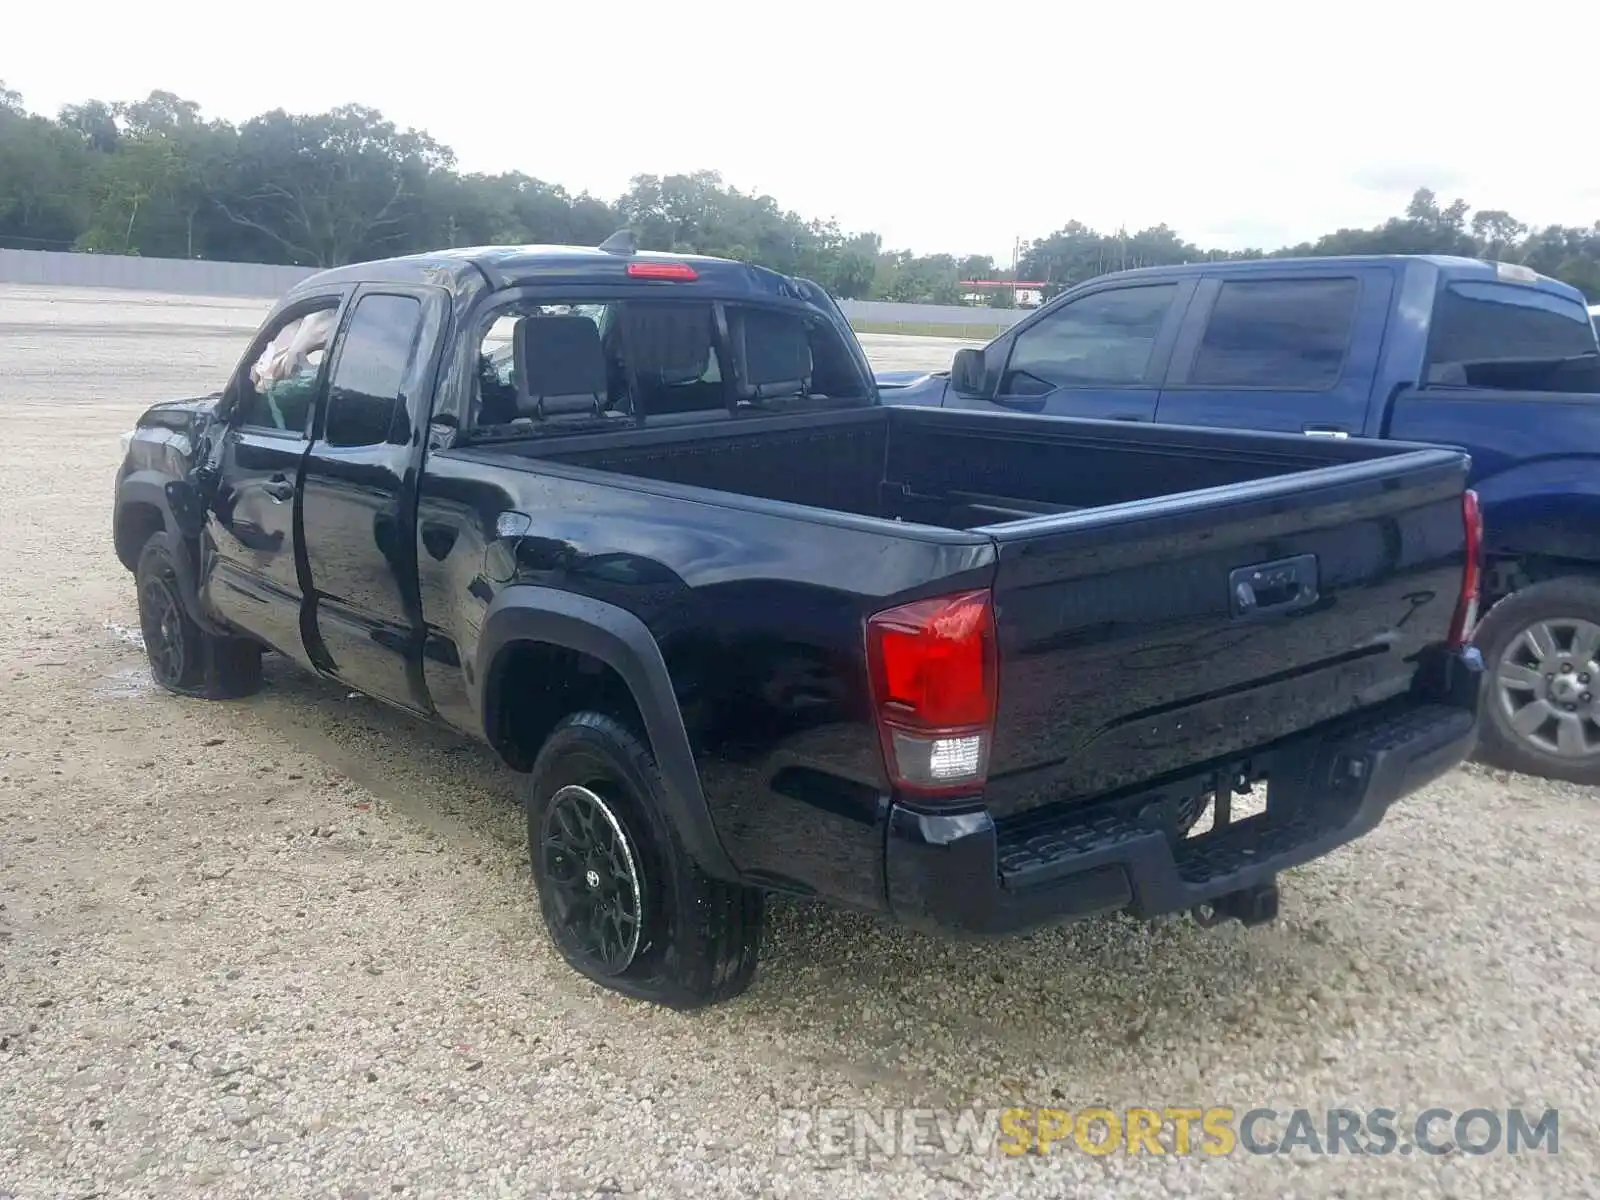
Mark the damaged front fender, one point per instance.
(187, 506)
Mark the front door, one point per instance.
(250, 566)
(1099, 356)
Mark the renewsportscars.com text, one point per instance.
(1169, 1130)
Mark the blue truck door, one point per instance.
(1099, 355)
(1292, 353)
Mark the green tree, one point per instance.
(330, 188)
(156, 177)
(43, 179)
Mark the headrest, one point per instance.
(670, 343)
(558, 365)
(774, 350)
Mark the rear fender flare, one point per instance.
(527, 613)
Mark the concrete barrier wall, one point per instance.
(194, 277)
(181, 276)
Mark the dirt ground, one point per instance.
(287, 947)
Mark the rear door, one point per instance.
(250, 576)
(358, 499)
(1292, 353)
(1100, 355)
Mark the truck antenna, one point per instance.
(620, 242)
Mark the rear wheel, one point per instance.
(183, 657)
(624, 903)
(591, 870)
(1541, 646)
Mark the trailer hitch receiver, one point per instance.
(1249, 906)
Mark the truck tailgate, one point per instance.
(1150, 637)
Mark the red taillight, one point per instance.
(1466, 614)
(934, 671)
(663, 270)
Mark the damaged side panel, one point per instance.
(160, 487)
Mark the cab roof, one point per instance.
(474, 268)
(1449, 266)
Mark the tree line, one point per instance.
(155, 177)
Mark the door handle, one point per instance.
(1332, 431)
(1283, 586)
(279, 488)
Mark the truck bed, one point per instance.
(1115, 553)
(945, 468)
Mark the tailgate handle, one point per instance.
(1280, 586)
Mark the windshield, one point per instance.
(543, 361)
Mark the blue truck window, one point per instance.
(1105, 338)
(364, 397)
(1477, 325)
(1277, 333)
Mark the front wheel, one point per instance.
(624, 903)
(1541, 716)
(183, 657)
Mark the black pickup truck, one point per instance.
(641, 523)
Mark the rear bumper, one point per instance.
(963, 872)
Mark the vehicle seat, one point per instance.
(774, 354)
(497, 400)
(670, 343)
(670, 348)
(559, 367)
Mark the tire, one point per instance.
(692, 940)
(185, 659)
(1540, 649)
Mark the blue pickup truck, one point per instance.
(1491, 358)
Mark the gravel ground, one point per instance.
(287, 947)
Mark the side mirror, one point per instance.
(966, 372)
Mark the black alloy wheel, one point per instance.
(161, 621)
(593, 871)
(624, 903)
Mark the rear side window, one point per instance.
(364, 406)
(1277, 333)
(1104, 339)
(1498, 335)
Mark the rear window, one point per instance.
(655, 358)
(1496, 335)
(1277, 333)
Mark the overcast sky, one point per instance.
(943, 127)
